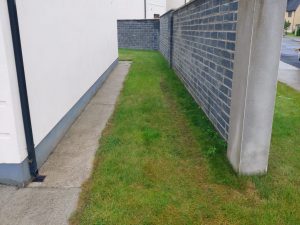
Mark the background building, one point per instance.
(155, 8)
(174, 4)
(292, 14)
(139, 9)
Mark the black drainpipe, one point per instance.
(145, 9)
(15, 33)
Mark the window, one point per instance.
(290, 14)
(156, 16)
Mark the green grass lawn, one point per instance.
(291, 35)
(161, 162)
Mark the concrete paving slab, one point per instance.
(37, 206)
(109, 94)
(70, 164)
(289, 75)
(6, 192)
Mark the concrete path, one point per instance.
(289, 75)
(53, 201)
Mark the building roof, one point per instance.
(292, 5)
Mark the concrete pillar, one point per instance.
(259, 35)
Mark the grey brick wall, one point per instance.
(204, 34)
(138, 34)
(165, 38)
(198, 40)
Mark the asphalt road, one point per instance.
(288, 74)
(288, 53)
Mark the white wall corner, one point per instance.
(12, 137)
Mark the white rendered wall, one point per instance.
(67, 45)
(12, 139)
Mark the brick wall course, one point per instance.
(138, 34)
(198, 41)
(165, 37)
(204, 34)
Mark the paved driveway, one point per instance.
(288, 53)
